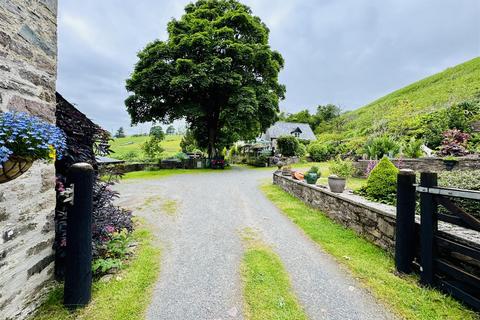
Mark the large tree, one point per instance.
(216, 70)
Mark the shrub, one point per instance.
(469, 180)
(288, 145)
(342, 168)
(382, 182)
(152, 148)
(314, 169)
(319, 152)
(413, 148)
(130, 156)
(459, 116)
(454, 143)
(301, 150)
(378, 147)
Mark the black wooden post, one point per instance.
(78, 263)
(405, 224)
(428, 228)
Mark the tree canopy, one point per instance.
(216, 70)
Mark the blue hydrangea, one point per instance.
(29, 137)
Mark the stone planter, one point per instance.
(311, 177)
(14, 168)
(286, 172)
(336, 184)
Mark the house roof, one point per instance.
(288, 128)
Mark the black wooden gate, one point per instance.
(438, 252)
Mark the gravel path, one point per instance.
(200, 277)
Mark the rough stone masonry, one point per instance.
(28, 59)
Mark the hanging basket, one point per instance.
(13, 168)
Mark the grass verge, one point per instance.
(163, 173)
(125, 297)
(370, 264)
(267, 290)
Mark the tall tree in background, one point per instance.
(120, 133)
(216, 70)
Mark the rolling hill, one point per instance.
(130, 148)
(399, 111)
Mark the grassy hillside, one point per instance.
(130, 148)
(399, 111)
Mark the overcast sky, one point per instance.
(346, 52)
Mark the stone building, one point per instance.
(28, 58)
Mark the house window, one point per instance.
(296, 134)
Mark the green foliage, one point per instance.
(323, 115)
(382, 182)
(301, 150)
(113, 252)
(157, 132)
(288, 145)
(130, 156)
(171, 130)
(314, 169)
(413, 148)
(458, 116)
(469, 180)
(216, 70)
(181, 156)
(319, 152)
(153, 148)
(341, 168)
(378, 147)
(120, 133)
(188, 143)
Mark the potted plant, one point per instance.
(312, 175)
(450, 162)
(340, 170)
(286, 170)
(24, 139)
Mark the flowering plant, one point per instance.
(454, 143)
(26, 136)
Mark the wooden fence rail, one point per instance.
(436, 270)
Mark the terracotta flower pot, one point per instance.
(336, 184)
(14, 168)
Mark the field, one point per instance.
(130, 148)
(398, 111)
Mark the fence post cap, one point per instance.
(406, 172)
(82, 166)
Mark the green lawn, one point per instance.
(125, 297)
(370, 264)
(267, 289)
(130, 148)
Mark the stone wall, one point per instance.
(432, 164)
(28, 55)
(374, 221)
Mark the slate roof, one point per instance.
(288, 128)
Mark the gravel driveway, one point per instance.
(202, 249)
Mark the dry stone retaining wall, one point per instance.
(374, 221)
(28, 58)
(425, 164)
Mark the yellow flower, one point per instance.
(53, 153)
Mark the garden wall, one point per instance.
(432, 164)
(374, 221)
(28, 55)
